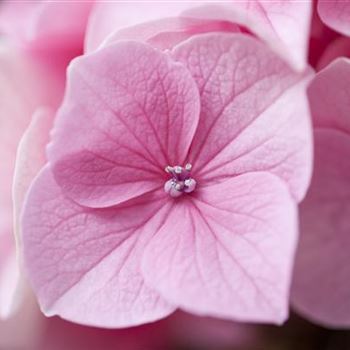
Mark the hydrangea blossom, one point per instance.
(172, 182)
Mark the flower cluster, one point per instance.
(183, 155)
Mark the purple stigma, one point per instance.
(180, 182)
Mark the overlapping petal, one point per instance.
(168, 32)
(335, 14)
(31, 158)
(128, 113)
(329, 96)
(283, 25)
(84, 263)
(321, 289)
(340, 47)
(110, 17)
(231, 253)
(45, 24)
(254, 111)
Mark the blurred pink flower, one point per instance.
(45, 25)
(25, 85)
(30, 78)
(112, 239)
(321, 290)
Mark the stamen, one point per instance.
(168, 169)
(181, 181)
(178, 169)
(188, 167)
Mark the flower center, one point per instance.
(180, 182)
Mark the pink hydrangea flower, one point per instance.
(172, 182)
(321, 289)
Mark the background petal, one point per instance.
(228, 252)
(109, 17)
(45, 24)
(321, 279)
(167, 32)
(9, 276)
(329, 96)
(283, 25)
(321, 287)
(340, 47)
(335, 14)
(84, 263)
(128, 113)
(24, 84)
(31, 157)
(24, 328)
(254, 111)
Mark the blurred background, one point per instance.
(179, 331)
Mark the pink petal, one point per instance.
(24, 85)
(128, 113)
(165, 33)
(329, 96)
(31, 157)
(109, 17)
(320, 37)
(338, 48)
(335, 14)
(24, 328)
(9, 275)
(254, 111)
(321, 288)
(46, 24)
(83, 263)
(228, 252)
(284, 25)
